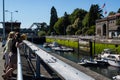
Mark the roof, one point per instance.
(109, 17)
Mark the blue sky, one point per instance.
(30, 11)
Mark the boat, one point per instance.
(102, 62)
(92, 62)
(54, 44)
(45, 45)
(114, 60)
(103, 57)
(117, 77)
(86, 62)
(105, 53)
(83, 61)
(110, 57)
(62, 49)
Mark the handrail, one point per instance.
(64, 70)
(19, 66)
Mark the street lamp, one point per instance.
(11, 16)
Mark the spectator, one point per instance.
(7, 49)
(23, 36)
(13, 57)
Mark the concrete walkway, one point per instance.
(1, 61)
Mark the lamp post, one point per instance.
(3, 21)
(94, 41)
(11, 13)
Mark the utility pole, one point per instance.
(3, 20)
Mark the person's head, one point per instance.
(23, 36)
(11, 34)
(17, 36)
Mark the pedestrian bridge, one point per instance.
(31, 58)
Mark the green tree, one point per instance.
(53, 20)
(118, 21)
(90, 18)
(76, 20)
(84, 30)
(95, 13)
(77, 25)
(43, 27)
(77, 13)
(41, 33)
(70, 30)
(90, 31)
(59, 26)
(85, 21)
(118, 10)
(78, 32)
(66, 22)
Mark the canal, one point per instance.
(108, 71)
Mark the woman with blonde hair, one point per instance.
(13, 56)
(7, 48)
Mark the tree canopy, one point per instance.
(75, 22)
(53, 20)
(79, 22)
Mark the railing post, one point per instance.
(28, 53)
(24, 49)
(37, 66)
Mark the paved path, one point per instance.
(1, 61)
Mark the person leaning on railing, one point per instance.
(7, 49)
(13, 57)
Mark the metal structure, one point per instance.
(37, 24)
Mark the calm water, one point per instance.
(108, 71)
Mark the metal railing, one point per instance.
(65, 71)
(19, 66)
